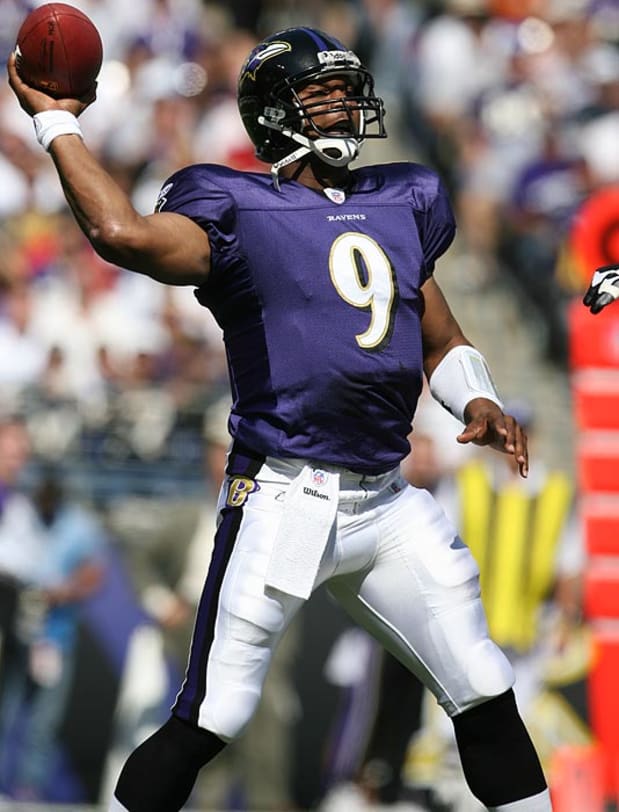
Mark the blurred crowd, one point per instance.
(119, 381)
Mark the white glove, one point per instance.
(604, 288)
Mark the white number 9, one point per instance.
(363, 276)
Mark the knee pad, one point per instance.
(489, 672)
(228, 710)
(234, 684)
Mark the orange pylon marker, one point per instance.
(577, 779)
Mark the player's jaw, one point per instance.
(329, 110)
(340, 120)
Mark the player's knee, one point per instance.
(489, 672)
(237, 673)
(228, 716)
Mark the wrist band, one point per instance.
(461, 376)
(51, 123)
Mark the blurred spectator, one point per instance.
(12, 12)
(172, 28)
(546, 192)
(599, 120)
(517, 109)
(21, 544)
(219, 136)
(23, 357)
(38, 673)
(457, 54)
(20, 537)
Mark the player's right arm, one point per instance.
(167, 247)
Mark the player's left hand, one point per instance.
(488, 425)
(604, 288)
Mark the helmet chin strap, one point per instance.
(333, 151)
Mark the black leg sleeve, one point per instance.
(498, 757)
(398, 717)
(159, 775)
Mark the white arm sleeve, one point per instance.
(461, 376)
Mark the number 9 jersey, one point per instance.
(318, 296)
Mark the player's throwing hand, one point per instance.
(604, 288)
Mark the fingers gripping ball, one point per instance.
(59, 51)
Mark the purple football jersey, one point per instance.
(319, 305)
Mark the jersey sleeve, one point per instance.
(194, 192)
(437, 227)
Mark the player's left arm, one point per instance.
(604, 288)
(460, 380)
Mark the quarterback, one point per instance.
(322, 280)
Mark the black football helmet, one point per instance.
(274, 115)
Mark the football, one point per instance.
(59, 51)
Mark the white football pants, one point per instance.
(392, 560)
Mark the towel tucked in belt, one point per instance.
(308, 516)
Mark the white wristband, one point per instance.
(461, 376)
(51, 123)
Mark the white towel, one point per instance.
(308, 516)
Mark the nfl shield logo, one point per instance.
(336, 195)
(319, 477)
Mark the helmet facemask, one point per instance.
(340, 144)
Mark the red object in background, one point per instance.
(594, 340)
(59, 51)
(513, 9)
(596, 398)
(245, 160)
(601, 591)
(577, 780)
(600, 518)
(604, 700)
(594, 360)
(594, 236)
(597, 461)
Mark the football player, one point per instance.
(604, 288)
(321, 278)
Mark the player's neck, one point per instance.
(317, 175)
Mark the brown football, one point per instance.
(59, 51)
